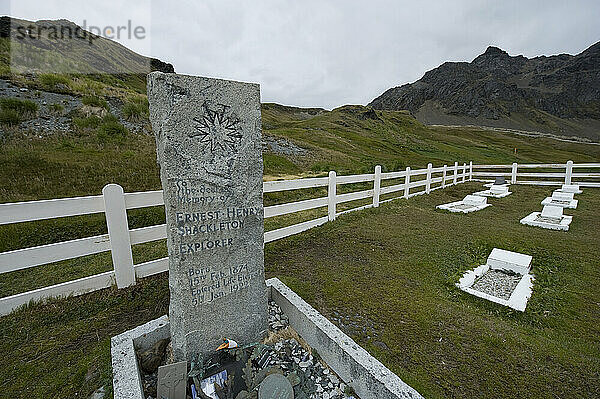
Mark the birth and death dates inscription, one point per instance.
(207, 284)
(206, 225)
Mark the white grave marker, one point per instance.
(562, 199)
(570, 188)
(551, 217)
(470, 203)
(502, 260)
(495, 191)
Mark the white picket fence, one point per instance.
(554, 174)
(114, 203)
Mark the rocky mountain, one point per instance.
(63, 45)
(559, 94)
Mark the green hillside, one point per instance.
(350, 139)
(354, 138)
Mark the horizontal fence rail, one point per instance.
(114, 203)
(549, 174)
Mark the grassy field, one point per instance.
(387, 279)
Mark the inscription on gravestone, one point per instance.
(172, 381)
(208, 136)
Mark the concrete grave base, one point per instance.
(532, 220)
(563, 204)
(489, 185)
(354, 365)
(518, 299)
(570, 188)
(489, 193)
(461, 207)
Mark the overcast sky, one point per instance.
(327, 53)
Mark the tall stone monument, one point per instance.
(208, 138)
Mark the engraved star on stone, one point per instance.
(218, 131)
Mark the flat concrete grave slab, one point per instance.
(351, 363)
(504, 279)
(551, 218)
(559, 198)
(470, 203)
(570, 188)
(495, 191)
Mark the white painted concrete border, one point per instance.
(570, 205)
(517, 300)
(127, 381)
(354, 365)
(474, 208)
(530, 220)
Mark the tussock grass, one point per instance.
(136, 109)
(13, 111)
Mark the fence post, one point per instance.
(464, 173)
(513, 178)
(444, 173)
(455, 172)
(331, 194)
(470, 170)
(428, 184)
(407, 182)
(376, 186)
(118, 232)
(569, 172)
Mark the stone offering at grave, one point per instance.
(275, 386)
(497, 283)
(208, 136)
(172, 381)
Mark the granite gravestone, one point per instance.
(208, 137)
